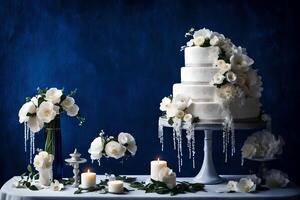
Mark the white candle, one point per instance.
(88, 179)
(170, 180)
(115, 186)
(156, 166)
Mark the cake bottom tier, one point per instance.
(213, 111)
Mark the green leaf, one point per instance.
(29, 168)
(78, 191)
(33, 187)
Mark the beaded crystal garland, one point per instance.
(29, 135)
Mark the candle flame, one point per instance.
(158, 159)
(88, 171)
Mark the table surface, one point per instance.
(8, 192)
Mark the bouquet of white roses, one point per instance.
(262, 144)
(109, 146)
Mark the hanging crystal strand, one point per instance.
(161, 136)
(174, 138)
(193, 146)
(30, 148)
(232, 139)
(242, 163)
(25, 136)
(178, 154)
(33, 142)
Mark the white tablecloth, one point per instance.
(8, 192)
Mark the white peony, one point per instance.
(68, 102)
(232, 186)
(28, 107)
(276, 178)
(206, 33)
(73, 110)
(181, 102)
(115, 150)
(46, 112)
(53, 95)
(246, 185)
(198, 41)
(56, 186)
(43, 160)
(218, 79)
(165, 103)
(231, 77)
(187, 118)
(240, 62)
(96, 148)
(35, 124)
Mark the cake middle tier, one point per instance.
(200, 75)
(196, 92)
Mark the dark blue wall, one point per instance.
(123, 56)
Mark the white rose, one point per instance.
(56, 186)
(232, 186)
(241, 62)
(171, 111)
(73, 110)
(198, 41)
(190, 43)
(181, 101)
(28, 107)
(165, 103)
(276, 178)
(206, 33)
(248, 151)
(246, 185)
(214, 41)
(231, 77)
(46, 112)
(187, 118)
(34, 100)
(218, 79)
(68, 102)
(35, 124)
(43, 160)
(115, 150)
(53, 95)
(220, 63)
(96, 148)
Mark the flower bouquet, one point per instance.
(43, 111)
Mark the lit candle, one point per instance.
(156, 166)
(88, 179)
(115, 186)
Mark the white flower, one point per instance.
(35, 124)
(115, 150)
(223, 66)
(218, 78)
(190, 43)
(96, 148)
(240, 62)
(187, 118)
(206, 33)
(56, 186)
(255, 179)
(246, 185)
(46, 112)
(53, 95)
(34, 100)
(276, 178)
(248, 151)
(231, 77)
(181, 102)
(73, 110)
(43, 160)
(232, 186)
(220, 63)
(68, 102)
(227, 92)
(128, 140)
(179, 114)
(171, 111)
(28, 107)
(165, 103)
(214, 41)
(198, 41)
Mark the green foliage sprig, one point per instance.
(27, 179)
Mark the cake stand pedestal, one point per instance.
(208, 174)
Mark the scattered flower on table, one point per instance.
(56, 186)
(276, 178)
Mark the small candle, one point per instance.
(156, 166)
(115, 186)
(88, 179)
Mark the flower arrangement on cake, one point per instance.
(111, 147)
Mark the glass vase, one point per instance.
(53, 145)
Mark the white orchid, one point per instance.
(46, 112)
(56, 186)
(246, 185)
(165, 103)
(115, 150)
(28, 107)
(276, 178)
(53, 95)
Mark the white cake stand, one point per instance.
(208, 174)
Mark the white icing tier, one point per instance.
(198, 75)
(213, 111)
(200, 56)
(196, 92)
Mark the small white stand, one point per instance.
(208, 174)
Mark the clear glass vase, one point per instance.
(53, 145)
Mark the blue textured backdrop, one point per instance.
(123, 56)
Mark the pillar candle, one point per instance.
(115, 186)
(156, 166)
(88, 179)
